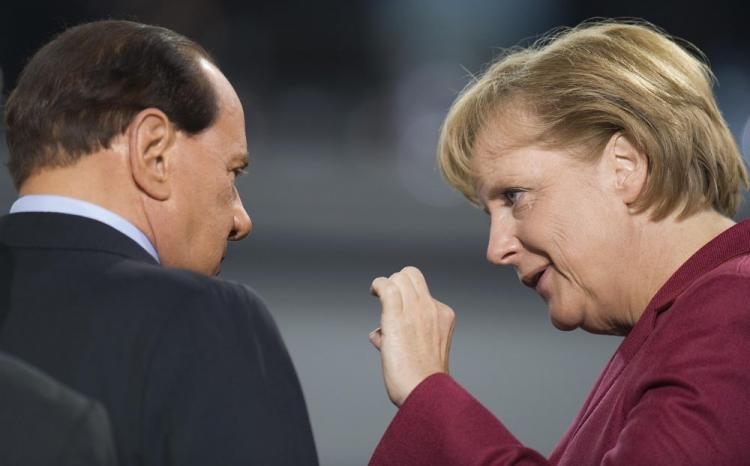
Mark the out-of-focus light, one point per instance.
(422, 97)
(733, 93)
(416, 164)
(745, 141)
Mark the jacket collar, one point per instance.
(46, 230)
(729, 244)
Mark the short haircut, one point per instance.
(85, 86)
(582, 85)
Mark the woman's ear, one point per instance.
(150, 137)
(630, 167)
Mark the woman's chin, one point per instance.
(565, 321)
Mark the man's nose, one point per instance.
(503, 247)
(242, 224)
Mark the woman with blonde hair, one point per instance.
(610, 179)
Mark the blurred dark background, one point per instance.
(344, 100)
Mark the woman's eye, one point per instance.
(239, 172)
(513, 195)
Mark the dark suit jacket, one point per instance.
(676, 391)
(43, 423)
(191, 369)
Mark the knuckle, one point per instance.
(413, 271)
(390, 290)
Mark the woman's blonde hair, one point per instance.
(584, 84)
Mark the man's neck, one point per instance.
(100, 178)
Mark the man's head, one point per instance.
(138, 119)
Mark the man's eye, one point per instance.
(239, 172)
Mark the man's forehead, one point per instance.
(228, 98)
(209, 68)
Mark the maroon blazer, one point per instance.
(676, 391)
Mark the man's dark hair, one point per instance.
(84, 88)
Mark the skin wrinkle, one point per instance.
(575, 218)
(564, 261)
(590, 252)
(568, 244)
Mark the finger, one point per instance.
(408, 293)
(374, 286)
(376, 338)
(389, 294)
(418, 281)
(449, 316)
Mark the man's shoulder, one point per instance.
(192, 317)
(169, 281)
(184, 290)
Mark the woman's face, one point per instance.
(561, 223)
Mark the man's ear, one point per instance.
(630, 167)
(150, 138)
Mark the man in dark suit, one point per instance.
(125, 141)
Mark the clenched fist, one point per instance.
(415, 332)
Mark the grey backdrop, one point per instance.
(344, 102)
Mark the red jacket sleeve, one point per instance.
(684, 399)
(440, 423)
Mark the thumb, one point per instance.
(376, 338)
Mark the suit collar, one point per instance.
(46, 230)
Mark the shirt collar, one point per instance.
(71, 206)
